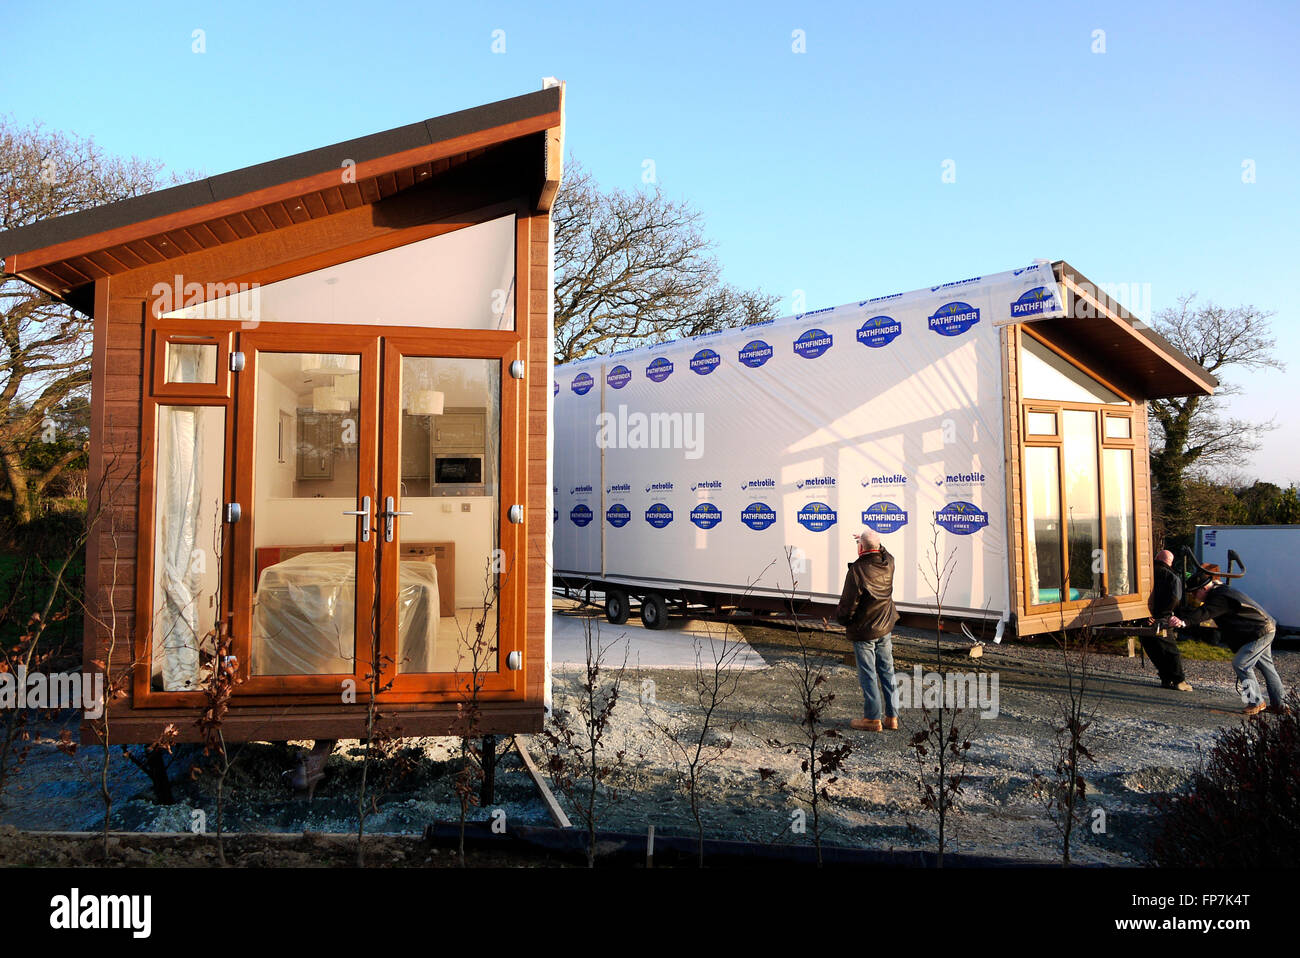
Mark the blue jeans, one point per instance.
(876, 675)
(1260, 653)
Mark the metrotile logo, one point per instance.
(884, 479)
(974, 478)
(618, 487)
(581, 491)
(709, 485)
(815, 482)
(659, 487)
(765, 483)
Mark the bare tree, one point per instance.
(1193, 433)
(45, 345)
(635, 267)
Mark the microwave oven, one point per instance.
(458, 474)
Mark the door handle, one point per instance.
(388, 514)
(363, 513)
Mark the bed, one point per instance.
(303, 620)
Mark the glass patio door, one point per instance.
(448, 581)
(305, 573)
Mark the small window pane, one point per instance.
(1119, 427)
(191, 443)
(1043, 509)
(191, 362)
(1041, 423)
(1121, 530)
(1082, 509)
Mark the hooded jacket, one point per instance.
(866, 608)
(1239, 618)
(1167, 593)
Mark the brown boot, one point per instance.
(865, 725)
(889, 723)
(1254, 709)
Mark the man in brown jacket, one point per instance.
(867, 612)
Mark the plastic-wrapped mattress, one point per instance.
(306, 610)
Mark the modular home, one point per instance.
(320, 395)
(997, 423)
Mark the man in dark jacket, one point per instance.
(1162, 650)
(867, 612)
(1246, 628)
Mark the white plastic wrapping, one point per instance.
(785, 438)
(306, 612)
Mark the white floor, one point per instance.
(675, 647)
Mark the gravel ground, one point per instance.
(1146, 741)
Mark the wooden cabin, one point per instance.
(1077, 387)
(320, 399)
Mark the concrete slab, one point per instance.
(674, 647)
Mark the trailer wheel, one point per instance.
(654, 611)
(616, 606)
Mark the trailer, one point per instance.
(991, 430)
(1272, 552)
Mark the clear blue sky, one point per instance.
(816, 171)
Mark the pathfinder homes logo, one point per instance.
(816, 517)
(659, 369)
(582, 383)
(656, 430)
(705, 361)
(894, 479)
(813, 343)
(815, 482)
(709, 485)
(961, 518)
(706, 515)
(879, 331)
(75, 911)
(580, 515)
(884, 517)
(619, 377)
(952, 690)
(758, 484)
(618, 515)
(67, 690)
(758, 516)
(754, 353)
(953, 319)
(658, 515)
(1033, 302)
